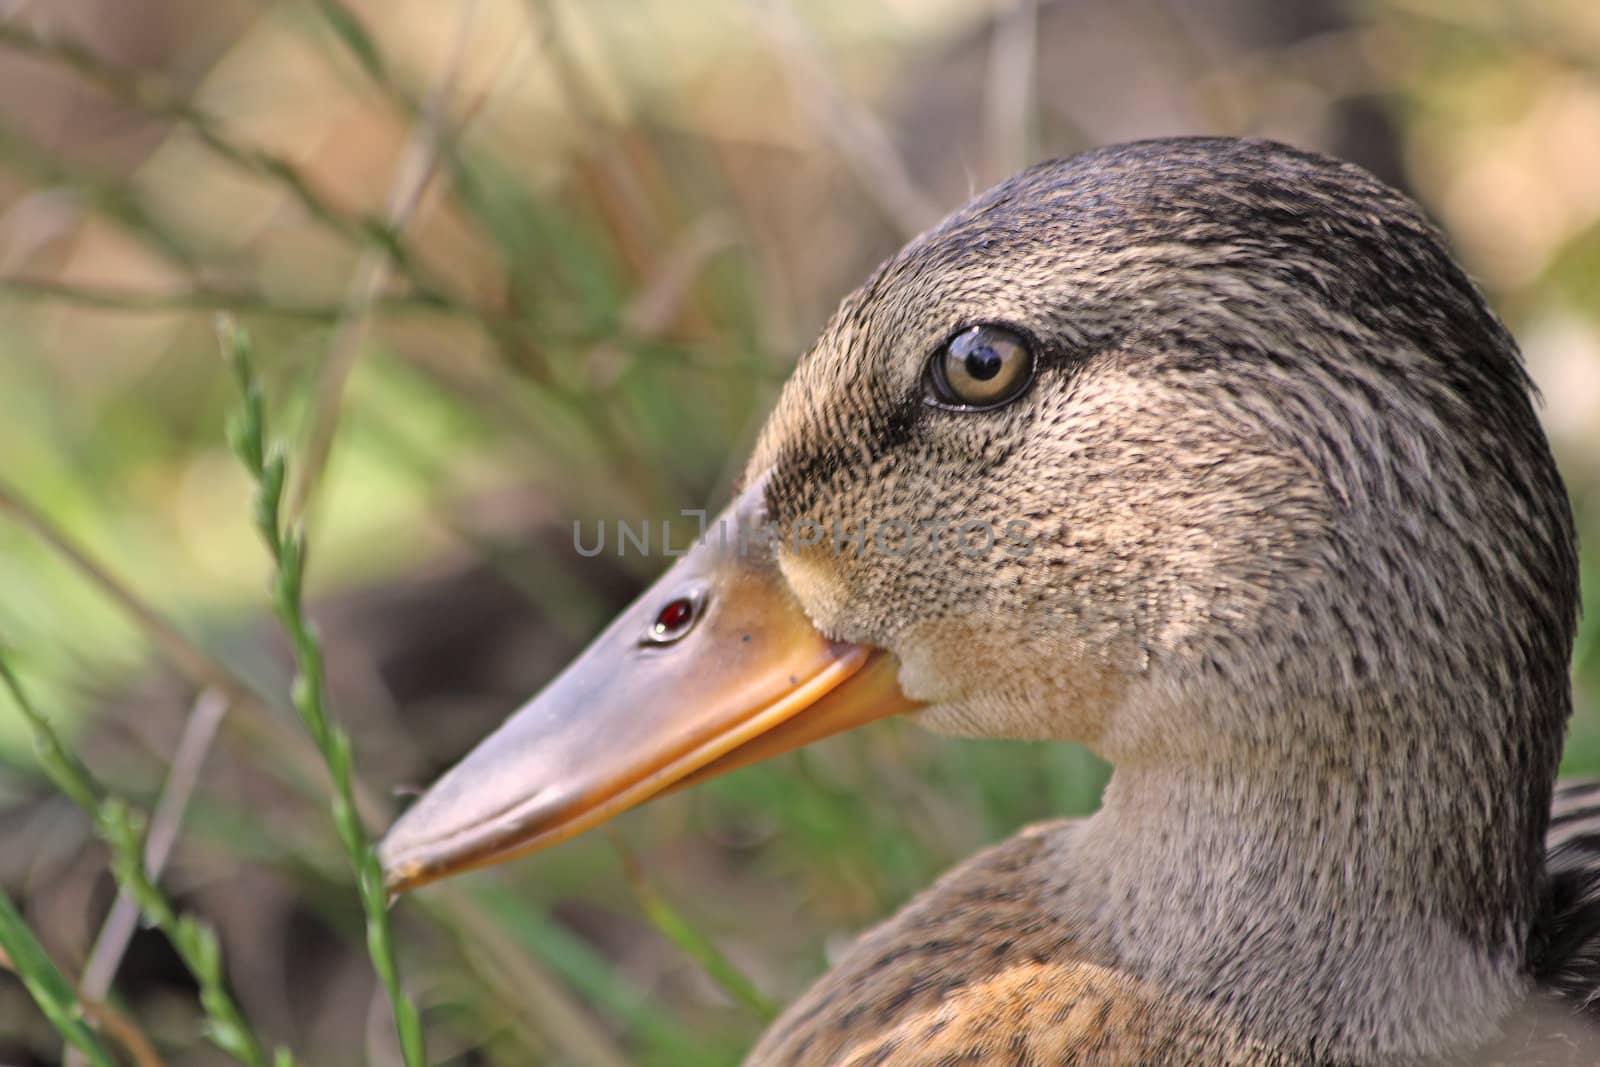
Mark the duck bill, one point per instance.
(654, 702)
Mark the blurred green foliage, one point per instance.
(638, 216)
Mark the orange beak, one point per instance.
(714, 667)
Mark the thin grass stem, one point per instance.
(268, 467)
(155, 98)
(47, 985)
(676, 927)
(123, 831)
(200, 298)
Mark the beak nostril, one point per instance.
(674, 620)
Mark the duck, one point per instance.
(1203, 453)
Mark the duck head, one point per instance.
(1201, 452)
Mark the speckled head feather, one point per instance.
(1298, 563)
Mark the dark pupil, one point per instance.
(675, 616)
(983, 363)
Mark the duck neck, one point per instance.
(1348, 904)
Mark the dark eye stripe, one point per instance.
(810, 467)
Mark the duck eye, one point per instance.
(674, 620)
(982, 367)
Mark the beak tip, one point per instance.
(401, 872)
(398, 876)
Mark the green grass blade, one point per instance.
(47, 985)
(122, 829)
(247, 434)
(675, 927)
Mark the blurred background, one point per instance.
(515, 263)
